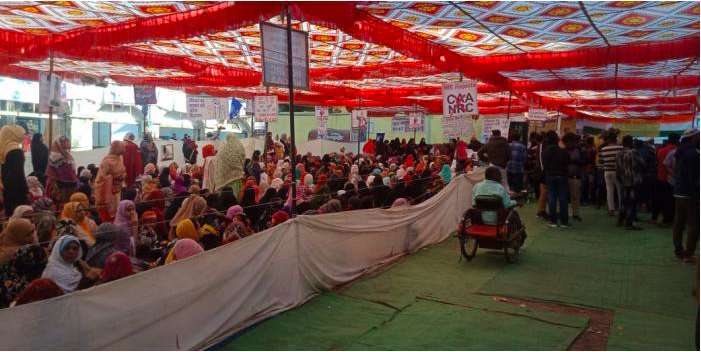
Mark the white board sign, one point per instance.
(274, 53)
(454, 127)
(265, 108)
(491, 124)
(49, 91)
(321, 129)
(321, 113)
(415, 120)
(359, 119)
(535, 114)
(207, 108)
(460, 99)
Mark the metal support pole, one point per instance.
(265, 147)
(51, 107)
(290, 81)
(360, 103)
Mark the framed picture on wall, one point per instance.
(167, 152)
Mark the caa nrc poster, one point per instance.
(265, 108)
(207, 108)
(460, 99)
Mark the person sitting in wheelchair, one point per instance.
(492, 186)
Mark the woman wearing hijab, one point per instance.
(105, 237)
(227, 199)
(61, 267)
(164, 178)
(148, 186)
(46, 229)
(193, 206)
(13, 182)
(127, 222)
(21, 259)
(184, 249)
(22, 212)
(321, 192)
(40, 156)
(209, 154)
(117, 266)
(179, 186)
(156, 201)
(250, 206)
(445, 174)
(149, 150)
(75, 213)
(190, 150)
(36, 190)
(108, 184)
(38, 290)
(61, 177)
(229, 164)
(131, 160)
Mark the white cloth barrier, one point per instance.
(194, 303)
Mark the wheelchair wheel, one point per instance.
(468, 246)
(511, 250)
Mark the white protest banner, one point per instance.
(321, 129)
(49, 91)
(415, 120)
(399, 124)
(535, 114)
(460, 99)
(321, 113)
(266, 108)
(454, 127)
(249, 106)
(491, 124)
(274, 53)
(207, 108)
(359, 119)
(144, 95)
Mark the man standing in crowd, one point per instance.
(629, 173)
(686, 195)
(555, 161)
(574, 172)
(608, 153)
(534, 169)
(588, 180)
(497, 153)
(663, 192)
(514, 168)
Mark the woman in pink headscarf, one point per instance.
(186, 248)
(61, 178)
(108, 184)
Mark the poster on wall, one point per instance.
(460, 99)
(400, 124)
(145, 95)
(207, 108)
(321, 113)
(49, 91)
(415, 120)
(359, 119)
(266, 108)
(537, 114)
(494, 123)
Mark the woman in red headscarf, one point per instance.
(117, 266)
(209, 154)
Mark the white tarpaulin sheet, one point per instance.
(199, 301)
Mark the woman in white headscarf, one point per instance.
(62, 264)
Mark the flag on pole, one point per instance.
(235, 108)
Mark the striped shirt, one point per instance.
(608, 156)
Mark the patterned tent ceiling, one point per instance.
(561, 55)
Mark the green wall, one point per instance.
(305, 122)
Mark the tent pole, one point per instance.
(360, 102)
(290, 94)
(265, 151)
(51, 107)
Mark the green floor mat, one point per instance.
(426, 325)
(609, 268)
(635, 331)
(326, 322)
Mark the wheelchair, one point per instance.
(507, 235)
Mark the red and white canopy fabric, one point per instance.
(616, 60)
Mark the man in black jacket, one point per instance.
(555, 162)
